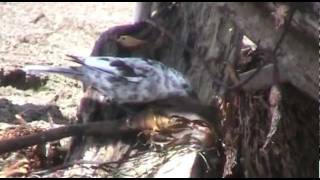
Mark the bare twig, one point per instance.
(243, 82)
(40, 16)
(105, 128)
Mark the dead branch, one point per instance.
(261, 80)
(302, 74)
(157, 116)
(102, 128)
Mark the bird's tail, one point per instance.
(71, 72)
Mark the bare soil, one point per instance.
(42, 33)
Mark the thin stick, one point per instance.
(107, 128)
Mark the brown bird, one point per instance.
(130, 42)
(179, 120)
(184, 107)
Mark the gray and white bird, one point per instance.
(123, 80)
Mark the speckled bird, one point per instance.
(124, 80)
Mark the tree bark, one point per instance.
(212, 31)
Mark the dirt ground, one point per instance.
(42, 33)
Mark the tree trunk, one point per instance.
(204, 41)
(213, 32)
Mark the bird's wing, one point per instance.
(131, 69)
(72, 72)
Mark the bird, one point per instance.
(125, 80)
(130, 42)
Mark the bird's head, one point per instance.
(129, 41)
(187, 87)
(181, 84)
